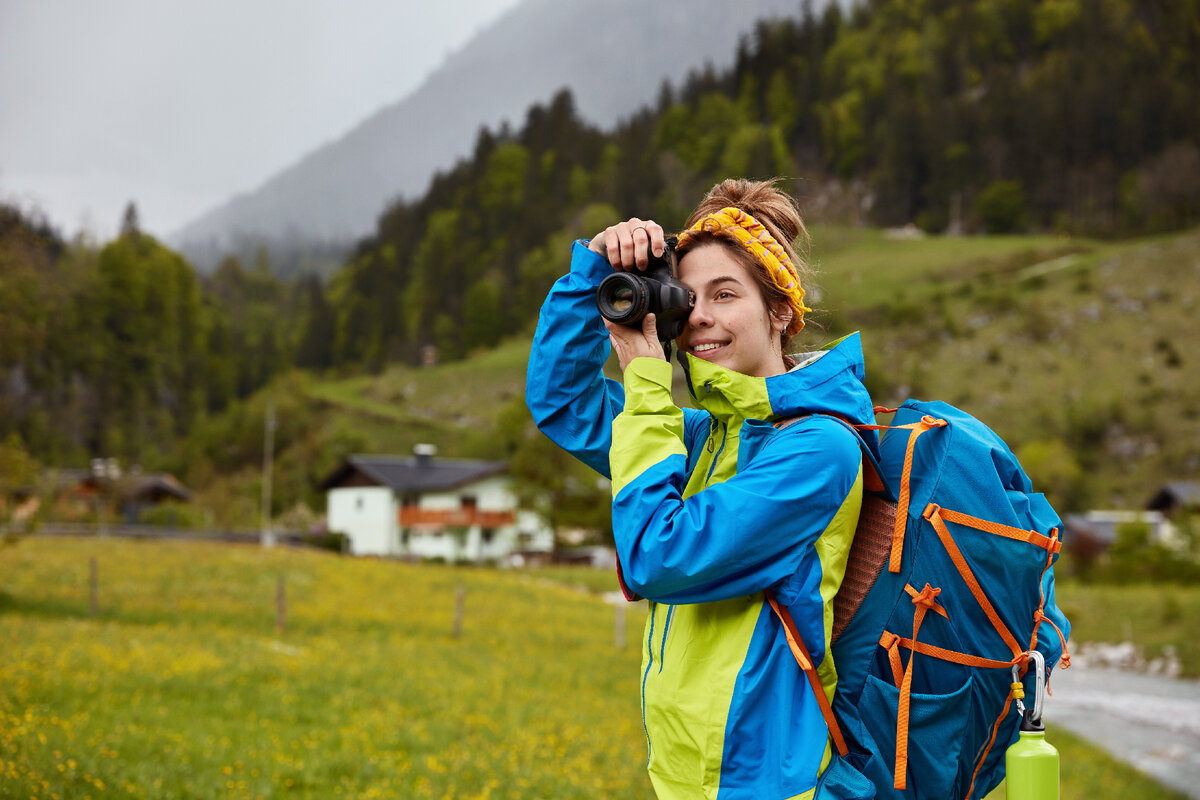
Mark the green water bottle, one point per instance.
(1031, 764)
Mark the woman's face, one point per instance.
(730, 324)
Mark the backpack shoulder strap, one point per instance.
(875, 482)
(800, 651)
(874, 479)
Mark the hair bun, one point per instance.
(776, 210)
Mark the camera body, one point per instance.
(627, 297)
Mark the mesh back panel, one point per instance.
(868, 555)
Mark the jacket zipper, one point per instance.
(646, 677)
(724, 437)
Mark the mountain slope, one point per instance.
(1073, 350)
(613, 56)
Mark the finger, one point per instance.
(616, 328)
(625, 232)
(658, 237)
(641, 245)
(612, 246)
(619, 334)
(596, 244)
(650, 329)
(618, 337)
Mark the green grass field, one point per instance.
(181, 686)
(1154, 617)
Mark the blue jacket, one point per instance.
(711, 507)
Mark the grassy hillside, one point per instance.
(181, 686)
(454, 405)
(1158, 619)
(1084, 344)
(1079, 352)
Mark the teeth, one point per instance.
(700, 348)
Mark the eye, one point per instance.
(725, 294)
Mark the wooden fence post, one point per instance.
(280, 605)
(459, 595)
(619, 633)
(94, 587)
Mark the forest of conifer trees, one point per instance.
(1075, 116)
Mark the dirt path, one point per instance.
(1148, 721)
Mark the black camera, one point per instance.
(627, 297)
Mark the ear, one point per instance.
(781, 317)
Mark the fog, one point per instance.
(178, 106)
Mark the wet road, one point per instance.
(1148, 721)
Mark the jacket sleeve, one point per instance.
(570, 399)
(733, 538)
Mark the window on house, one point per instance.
(469, 501)
(488, 534)
(358, 503)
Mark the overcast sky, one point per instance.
(180, 105)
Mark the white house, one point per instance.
(1098, 529)
(429, 508)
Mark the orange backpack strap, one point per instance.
(800, 651)
(915, 429)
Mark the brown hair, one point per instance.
(778, 213)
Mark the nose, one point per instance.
(700, 316)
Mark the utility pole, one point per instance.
(268, 535)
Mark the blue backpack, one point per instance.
(948, 590)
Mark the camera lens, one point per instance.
(622, 298)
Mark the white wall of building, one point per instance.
(371, 517)
(491, 494)
(475, 542)
(368, 515)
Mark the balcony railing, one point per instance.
(414, 516)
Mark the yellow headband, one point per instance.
(751, 234)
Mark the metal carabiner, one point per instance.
(1039, 691)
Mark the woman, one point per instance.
(758, 490)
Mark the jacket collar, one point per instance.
(724, 393)
(828, 380)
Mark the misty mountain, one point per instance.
(614, 56)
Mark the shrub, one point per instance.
(332, 541)
(174, 515)
(1137, 556)
(1001, 207)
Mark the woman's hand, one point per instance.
(630, 343)
(628, 245)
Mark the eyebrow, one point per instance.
(717, 281)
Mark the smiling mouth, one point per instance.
(704, 348)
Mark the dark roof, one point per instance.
(1104, 527)
(411, 473)
(1077, 525)
(138, 487)
(154, 488)
(1174, 495)
(67, 478)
